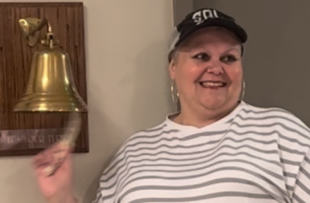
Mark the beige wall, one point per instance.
(276, 62)
(128, 89)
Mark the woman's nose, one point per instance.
(215, 68)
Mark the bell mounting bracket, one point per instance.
(31, 30)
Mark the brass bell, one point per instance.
(50, 87)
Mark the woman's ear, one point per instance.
(172, 67)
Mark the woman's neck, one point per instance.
(201, 119)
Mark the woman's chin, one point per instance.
(213, 103)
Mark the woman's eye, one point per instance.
(202, 56)
(229, 59)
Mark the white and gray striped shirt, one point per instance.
(253, 155)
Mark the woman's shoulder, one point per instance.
(268, 110)
(271, 110)
(277, 115)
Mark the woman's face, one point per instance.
(207, 69)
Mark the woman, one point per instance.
(217, 148)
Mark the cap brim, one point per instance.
(229, 25)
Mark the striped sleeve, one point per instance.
(112, 179)
(108, 183)
(109, 179)
(98, 197)
(301, 193)
(113, 175)
(294, 145)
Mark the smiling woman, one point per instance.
(208, 74)
(218, 148)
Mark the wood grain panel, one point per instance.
(28, 133)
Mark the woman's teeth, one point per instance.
(212, 84)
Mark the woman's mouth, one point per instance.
(212, 84)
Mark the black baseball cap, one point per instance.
(202, 18)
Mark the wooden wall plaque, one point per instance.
(30, 133)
